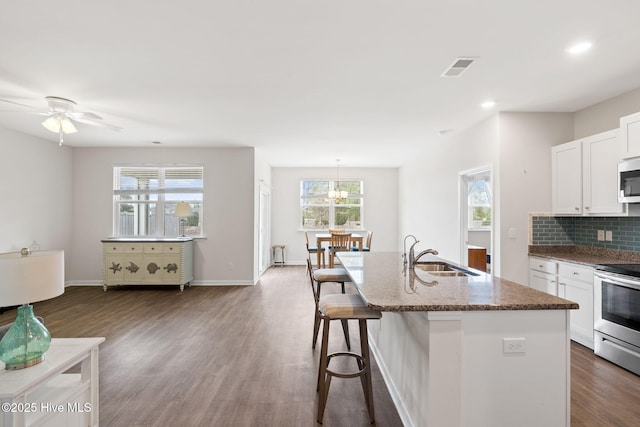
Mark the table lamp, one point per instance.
(183, 211)
(27, 277)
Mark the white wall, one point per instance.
(429, 184)
(380, 206)
(525, 181)
(225, 256)
(35, 190)
(606, 115)
(517, 147)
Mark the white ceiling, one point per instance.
(307, 81)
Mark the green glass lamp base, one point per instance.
(26, 342)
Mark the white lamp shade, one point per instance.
(28, 279)
(67, 126)
(183, 210)
(54, 123)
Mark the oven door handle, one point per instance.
(635, 284)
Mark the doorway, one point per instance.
(264, 222)
(476, 218)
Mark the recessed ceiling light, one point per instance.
(156, 142)
(488, 104)
(579, 48)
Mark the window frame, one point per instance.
(331, 204)
(471, 206)
(158, 198)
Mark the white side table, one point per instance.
(46, 394)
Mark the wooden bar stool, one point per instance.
(345, 307)
(318, 277)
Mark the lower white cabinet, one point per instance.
(542, 275)
(147, 261)
(573, 282)
(577, 281)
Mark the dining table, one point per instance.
(326, 237)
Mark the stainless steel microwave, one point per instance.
(629, 181)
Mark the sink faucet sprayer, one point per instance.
(404, 246)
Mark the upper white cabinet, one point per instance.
(630, 136)
(585, 176)
(566, 178)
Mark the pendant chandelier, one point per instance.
(336, 195)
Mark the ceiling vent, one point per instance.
(458, 67)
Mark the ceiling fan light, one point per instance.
(67, 126)
(52, 124)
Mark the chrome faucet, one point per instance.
(414, 259)
(404, 246)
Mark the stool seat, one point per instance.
(338, 275)
(345, 307)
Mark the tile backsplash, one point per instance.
(583, 231)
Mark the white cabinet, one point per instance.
(542, 275)
(577, 282)
(147, 261)
(585, 176)
(630, 136)
(573, 282)
(49, 394)
(566, 178)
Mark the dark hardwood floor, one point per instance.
(241, 356)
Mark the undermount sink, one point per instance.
(449, 273)
(433, 266)
(439, 268)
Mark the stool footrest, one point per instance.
(362, 365)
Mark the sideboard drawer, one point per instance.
(113, 248)
(133, 248)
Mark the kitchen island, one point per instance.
(460, 349)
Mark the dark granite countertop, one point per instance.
(386, 285)
(584, 254)
(147, 239)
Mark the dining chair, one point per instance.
(337, 231)
(340, 242)
(314, 249)
(367, 245)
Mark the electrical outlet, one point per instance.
(513, 345)
(600, 235)
(608, 235)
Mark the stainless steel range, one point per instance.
(617, 314)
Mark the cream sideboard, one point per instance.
(50, 394)
(136, 261)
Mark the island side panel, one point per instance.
(527, 388)
(443, 371)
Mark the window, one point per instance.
(145, 197)
(479, 201)
(319, 212)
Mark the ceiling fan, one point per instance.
(61, 115)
